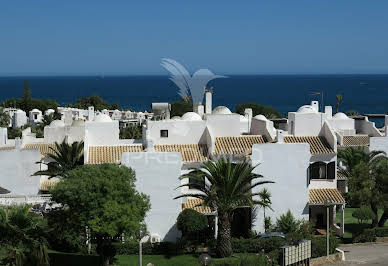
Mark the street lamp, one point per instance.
(327, 203)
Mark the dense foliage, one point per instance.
(318, 246)
(258, 109)
(180, 108)
(287, 223)
(191, 223)
(131, 132)
(363, 214)
(228, 187)
(104, 199)
(96, 101)
(64, 157)
(23, 237)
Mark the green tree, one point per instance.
(258, 109)
(287, 223)
(4, 118)
(26, 98)
(265, 198)
(104, 199)
(180, 108)
(351, 157)
(363, 214)
(228, 187)
(338, 103)
(94, 100)
(64, 157)
(23, 237)
(191, 223)
(131, 132)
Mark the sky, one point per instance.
(228, 37)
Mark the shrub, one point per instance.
(381, 231)
(191, 222)
(368, 235)
(241, 245)
(318, 246)
(363, 214)
(268, 226)
(288, 223)
(162, 248)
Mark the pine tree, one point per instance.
(26, 98)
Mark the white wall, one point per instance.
(264, 128)
(3, 136)
(378, 144)
(224, 125)
(16, 168)
(342, 124)
(367, 127)
(329, 135)
(305, 124)
(54, 134)
(102, 133)
(287, 165)
(157, 175)
(179, 131)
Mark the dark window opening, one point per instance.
(196, 182)
(318, 170)
(164, 133)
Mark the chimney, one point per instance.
(209, 97)
(328, 112)
(201, 110)
(248, 115)
(68, 117)
(91, 113)
(280, 136)
(315, 105)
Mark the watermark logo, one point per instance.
(190, 87)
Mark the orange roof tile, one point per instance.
(195, 204)
(318, 144)
(110, 154)
(42, 147)
(320, 195)
(48, 184)
(356, 140)
(241, 145)
(189, 152)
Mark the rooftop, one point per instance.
(110, 154)
(355, 141)
(189, 152)
(319, 196)
(195, 204)
(241, 145)
(318, 144)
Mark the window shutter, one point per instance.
(314, 171)
(331, 170)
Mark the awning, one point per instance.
(320, 195)
(195, 204)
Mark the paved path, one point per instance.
(365, 254)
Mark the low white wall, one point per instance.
(329, 135)
(378, 144)
(157, 175)
(102, 133)
(224, 125)
(367, 127)
(3, 135)
(305, 124)
(16, 168)
(264, 128)
(290, 190)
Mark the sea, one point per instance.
(285, 93)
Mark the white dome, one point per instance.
(176, 118)
(221, 110)
(116, 111)
(35, 111)
(306, 109)
(78, 123)
(340, 116)
(50, 111)
(19, 111)
(191, 116)
(102, 118)
(243, 118)
(57, 123)
(261, 117)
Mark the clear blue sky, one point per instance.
(252, 37)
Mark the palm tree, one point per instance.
(265, 198)
(64, 157)
(224, 187)
(338, 103)
(23, 236)
(351, 157)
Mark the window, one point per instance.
(35, 116)
(321, 170)
(196, 182)
(164, 133)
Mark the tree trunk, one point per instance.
(375, 221)
(224, 245)
(383, 218)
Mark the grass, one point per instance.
(351, 224)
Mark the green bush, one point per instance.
(241, 245)
(191, 222)
(288, 223)
(368, 235)
(318, 246)
(162, 248)
(381, 231)
(363, 214)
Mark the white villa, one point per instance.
(301, 159)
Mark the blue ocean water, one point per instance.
(364, 93)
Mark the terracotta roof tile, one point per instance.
(194, 204)
(356, 140)
(42, 147)
(189, 152)
(110, 154)
(319, 196)
(241, 145)
(7, 147)
(318, 144)
(47, 184)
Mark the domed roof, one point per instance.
(57, 123)
(306, 109)
(191, 116)
(176, 118)
(261, 117)
(116, 111)
(78, 123)
(221, 110)
(340, 116)
(35, 110)
(19, 111)
(50, 111)
(102, 118)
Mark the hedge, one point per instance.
(318, 246)
(162, 248)
(369, 235)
